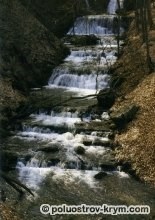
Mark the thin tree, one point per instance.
(118, 26)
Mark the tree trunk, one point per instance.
(118, 27)
(142, 19)
(137, 15)
(146, 18)
(148, 6)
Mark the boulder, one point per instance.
(50, 148)
(108, 166)
(53, 162)
(8, 159)
(100, 175)
(124, 115)
(80, 150)
(82, 40)
(106, 98)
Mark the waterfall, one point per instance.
(68, 139)
(121, 4)
(112, 7)
(99, 25)
(87, 4)
(64, 77)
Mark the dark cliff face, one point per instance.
(28, 53)
(55, 15)
(58, 15)
(129, 5)
(30, 45)
(99, 6)
(29, 50)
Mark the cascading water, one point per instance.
(99, 25)
(67, 149)
(87, 4)
(112, 7)
(100, 56)
(85, 68)
(85, 81)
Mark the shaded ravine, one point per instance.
(65, 153)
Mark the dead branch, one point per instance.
(15, 184)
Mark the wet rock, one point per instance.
(101, 126)
(102, 142)
(100, 175)
(127, 168)
(111, 135)
(3, 126)
(27, 157)
(80, 150)
(50, 148)
(124, 115)
(8, 160)
(87, 142)
(105, 116)
(95, 117)
(108, 166)
(97, 142)
(72, 164)
(53, 162)
(106, 98)
(82, 40)
(2, 196)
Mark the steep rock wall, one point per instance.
(28, 50)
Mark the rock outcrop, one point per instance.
(106, 98)
(29, 50)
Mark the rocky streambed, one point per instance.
(63, 151)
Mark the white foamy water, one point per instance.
(65, 138)
(63, 119)
(34, 176)
(100, 57)
(64, 78)
(112, 7)
(75, 177)
(99, 25)
(84, 72)
(87, 4)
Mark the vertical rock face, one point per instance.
(28, 49)
(28, 53)
(58, 15)
(29, 44)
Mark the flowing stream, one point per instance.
(64, 149)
